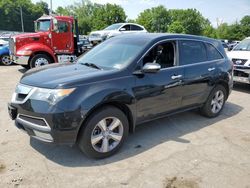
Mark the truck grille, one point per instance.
(239, 61)
(12, 46)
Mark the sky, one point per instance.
(215, 10)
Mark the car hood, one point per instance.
(63, 75)
(239, 54)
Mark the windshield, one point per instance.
(113, 53)
(42, 25)
(113, 27)
(244, 45)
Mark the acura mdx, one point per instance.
(122, 82)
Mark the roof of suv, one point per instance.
(154, 37)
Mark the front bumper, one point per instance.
(21, 60)
(242, 76)
(58, 127)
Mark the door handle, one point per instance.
(211, 69)
(176, 76)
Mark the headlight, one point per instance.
(24, 52)
(52, 96)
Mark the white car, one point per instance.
(240, 56)
(4, 41)
(114, 30)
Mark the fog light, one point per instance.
(42, 135)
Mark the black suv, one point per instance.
(120, 83)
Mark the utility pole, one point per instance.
(50, 12)
(21, 12)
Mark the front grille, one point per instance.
(12, 46)
(37, 121)
(241, 74)
(239, 61)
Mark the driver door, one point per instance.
(62, 38)
(161, 92)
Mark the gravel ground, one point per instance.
(184, 150)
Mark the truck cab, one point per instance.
(55, 40)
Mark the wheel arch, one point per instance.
(42, 52)
(121, 106)
(225, 85)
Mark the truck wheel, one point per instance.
(104, 133)
(215, 102)
(40, 60)
(5, 60)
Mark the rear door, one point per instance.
(200, 69)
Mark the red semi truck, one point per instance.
(55, 40)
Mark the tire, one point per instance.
(92, 137)
(215, 102)
(40, 60)
(5, 60)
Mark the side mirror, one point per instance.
(151, 68)
(123, 29)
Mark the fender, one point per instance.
(110, 96)
(38, 47)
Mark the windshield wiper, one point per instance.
(92, 65)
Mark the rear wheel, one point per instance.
(40, 60)
(104, 133)
(5, 60)
(215, 102)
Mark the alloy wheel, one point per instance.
(107, 134)
(217, 101)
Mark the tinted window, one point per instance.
(163, 54)
(114, 53)
(62, 27)
(126, 27)
(136, 28)
(213, 53)
(192, 52)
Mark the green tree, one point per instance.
(176, 27)
(11, 16)
(191, 20)
(105, 15)
(245, 26)
(156, 19)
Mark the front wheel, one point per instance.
(40, 60)
(215, 102)
(5, 60)
(104, 133)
